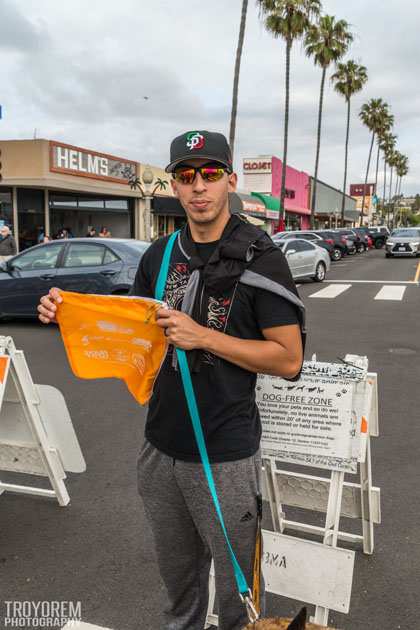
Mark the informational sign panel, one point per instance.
(313, 421)
(307, 571)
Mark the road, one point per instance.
(98, 550)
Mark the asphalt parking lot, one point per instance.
(98, 550)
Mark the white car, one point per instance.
(306, 260)
(403, 242)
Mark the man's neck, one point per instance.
(210, 232)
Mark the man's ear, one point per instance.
(174, 187)
(232, 182)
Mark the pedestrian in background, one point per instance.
(105, 233)
(7, 243)
(91, 233)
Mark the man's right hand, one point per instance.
(48, 306)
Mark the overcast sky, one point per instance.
(78, 71)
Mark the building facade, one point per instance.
(47, 186)
(263, 175)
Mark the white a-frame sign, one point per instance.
(36, 432)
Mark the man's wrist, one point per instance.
(207, 339)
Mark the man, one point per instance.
(7, 243)
(232, 328)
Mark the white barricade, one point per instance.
(325, 420)
(36, 432)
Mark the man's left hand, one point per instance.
(181, 331)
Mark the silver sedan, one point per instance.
(305, 259)
(403, 242)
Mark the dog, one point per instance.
(280, 623)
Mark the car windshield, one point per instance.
(408, 232)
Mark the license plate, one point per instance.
(401, 248)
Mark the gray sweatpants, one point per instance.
(187, 534)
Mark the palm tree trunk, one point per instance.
(377, 169)
(282, 213)
(366, 178)
(234, 110)
(390, 195)
(346, 152)
(384, 197)
(318, 145)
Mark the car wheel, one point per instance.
(387, 255)
(337, 254)
(351, 252)
(379, 243)
(320, 272)
(360, 249)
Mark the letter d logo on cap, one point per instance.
(195, 140)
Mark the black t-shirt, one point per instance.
(225, 392)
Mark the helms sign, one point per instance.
(72, 160)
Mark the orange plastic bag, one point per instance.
(116, 336)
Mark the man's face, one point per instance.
(4, 232)
(204, 201)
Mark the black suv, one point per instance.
(360, 242)
(341, 244)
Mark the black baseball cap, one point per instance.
(208, 145)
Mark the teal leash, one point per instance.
(243, 588)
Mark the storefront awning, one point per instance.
(169, 206)
(272, 205)
(240, 202)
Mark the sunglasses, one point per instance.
(210, 173)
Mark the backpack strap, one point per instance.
(243, 588)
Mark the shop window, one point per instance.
(84, 255)
(62, 201)
(116, 204)
(91, 203)
(6, 208)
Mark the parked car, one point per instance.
(379, 234)
(306, 260)
(85, 265)
(341, 244)
(360, 243)
(307, 235)
(403, 242)
(363, 234)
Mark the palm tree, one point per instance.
(289, 20)
(349, 78)
(401, 170)
(234, 110)
(371, 114)
(387, 145)
(384, 128)
(326, 42)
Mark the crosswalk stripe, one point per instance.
(82, 625)
(391, 292)
(331, 291)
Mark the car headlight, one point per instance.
(414, 244)
(389, 244)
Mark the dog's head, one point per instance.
(280, 623)
(298, 623)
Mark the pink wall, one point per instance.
(295, 180)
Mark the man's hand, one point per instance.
(181, 331)
(48, 306)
